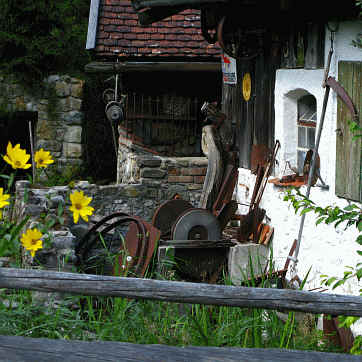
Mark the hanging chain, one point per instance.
(331, 49)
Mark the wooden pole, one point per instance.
(181, 292)
(20, 349)
(32, 151)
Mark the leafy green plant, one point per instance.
(349, 216)
(38, 37)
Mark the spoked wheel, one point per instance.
(237, 41)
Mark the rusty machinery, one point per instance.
(173, 220)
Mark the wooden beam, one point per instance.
(113, 67)
(16, 349)
(181, 292)
(149, 16)
(92, 24)
(141, 4)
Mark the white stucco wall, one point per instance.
(323, 248)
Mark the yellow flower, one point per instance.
(31, 240)
(80, 206)
(16, 157)
(3, 198)
(43, 158)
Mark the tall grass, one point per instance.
(149, 322)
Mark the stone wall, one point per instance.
(160, 179)
(58, 102)
(169, 175)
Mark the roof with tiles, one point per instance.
(177, 36)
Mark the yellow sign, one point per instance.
(246, 86)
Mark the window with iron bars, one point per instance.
(168, 124)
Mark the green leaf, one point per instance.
(307, 209)
(359, 239)
(359, 226)
(331, 280)
(350, 207)
(321, 219)
(340, 282)
(359, 274)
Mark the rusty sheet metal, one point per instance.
(227, 189)
(259, 157)
(227, 213)
(249, 223)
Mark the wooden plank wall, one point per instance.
(348, 151)
(254, 119)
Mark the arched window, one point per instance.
(306, 123)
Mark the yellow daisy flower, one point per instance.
(80, 206)
(31, 240)
(3, 198)
(16, 157)
(43, 158)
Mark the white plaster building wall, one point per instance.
(323, 248)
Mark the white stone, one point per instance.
(239, 265)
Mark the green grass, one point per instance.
(150, 322)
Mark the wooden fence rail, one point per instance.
(182, 292)
(22, 349)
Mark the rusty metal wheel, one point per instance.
(106, 239)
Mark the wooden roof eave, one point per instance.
(134, 66)
(145, 4)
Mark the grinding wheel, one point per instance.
(196, 224)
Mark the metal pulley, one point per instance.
(114, 111)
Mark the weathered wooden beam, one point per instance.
(16, 349)
(212, 148)
(92, 24)
(149, 16)
(141, 4)
(113, 67)
(181, 292)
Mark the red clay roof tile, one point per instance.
(177, 36)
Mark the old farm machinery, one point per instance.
(121, 241)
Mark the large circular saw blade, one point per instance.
(167, 213)
(196, 224)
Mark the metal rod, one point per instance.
(32, 150)
(311, 171)
(315, 151)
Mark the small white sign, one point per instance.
(228, 65)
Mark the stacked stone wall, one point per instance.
(58, 102)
